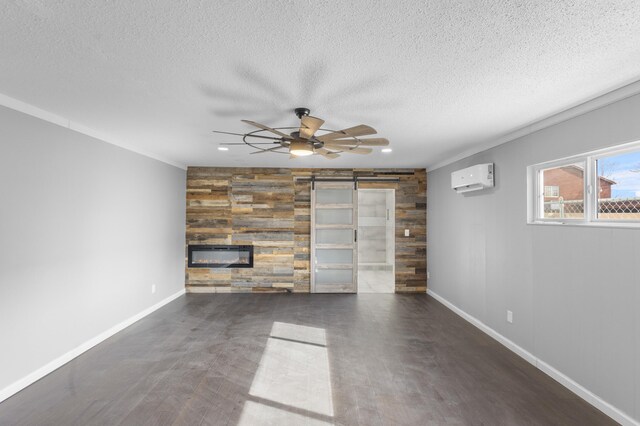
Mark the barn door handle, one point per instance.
(355, 235)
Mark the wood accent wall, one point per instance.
(270, 209)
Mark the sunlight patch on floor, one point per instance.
(254, 413)
(293, 381)
(300, 333)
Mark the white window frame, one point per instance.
(535, 189)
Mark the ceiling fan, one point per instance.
(303, 140)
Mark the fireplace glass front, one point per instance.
(218, 256)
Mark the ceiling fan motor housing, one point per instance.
(301, 112)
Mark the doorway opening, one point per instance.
(376, 241)
(352, 239)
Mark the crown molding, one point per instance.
(599, 101)
(25, 108)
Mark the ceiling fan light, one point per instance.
(300, 152)
(300, 148)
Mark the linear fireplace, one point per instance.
(208, 256)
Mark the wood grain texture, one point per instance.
(242, 206)
(393, 360)
(270, 208)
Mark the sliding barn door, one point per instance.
(334, 227)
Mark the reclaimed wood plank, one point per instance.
(270, 209)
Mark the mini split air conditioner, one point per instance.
(472, 178)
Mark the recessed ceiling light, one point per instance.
(223, 148)
(386, 150)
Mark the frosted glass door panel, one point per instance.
(334, 236)
(334, 216)
(334, 276)
(333, 229)
(329, 256)
(334, 196)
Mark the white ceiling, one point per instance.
(435, 77)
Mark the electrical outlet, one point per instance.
(510, 317)
(406, 232)
(428, 274)
(153, 288)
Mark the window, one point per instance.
(563, 196)
(596, 188)
(618, 195)
(552, 191)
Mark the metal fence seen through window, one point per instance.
(608, 208)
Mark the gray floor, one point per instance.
(367, 359)
(382, 281)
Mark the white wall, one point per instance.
(574, 292)
(85, 229)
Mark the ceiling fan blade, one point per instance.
(326, 153)
(269, 129)
(361, 130)
(266, 150)
(359, 150)
(252, 143)
(243, 134)
(359, 142)
(309, 125)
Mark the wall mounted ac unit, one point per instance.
(472, 178)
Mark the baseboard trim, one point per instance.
(31, 378)
(593, 399)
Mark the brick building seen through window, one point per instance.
(567, 182)
(616, 197)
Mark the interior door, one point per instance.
(334, 227)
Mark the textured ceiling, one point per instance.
(435, 77)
